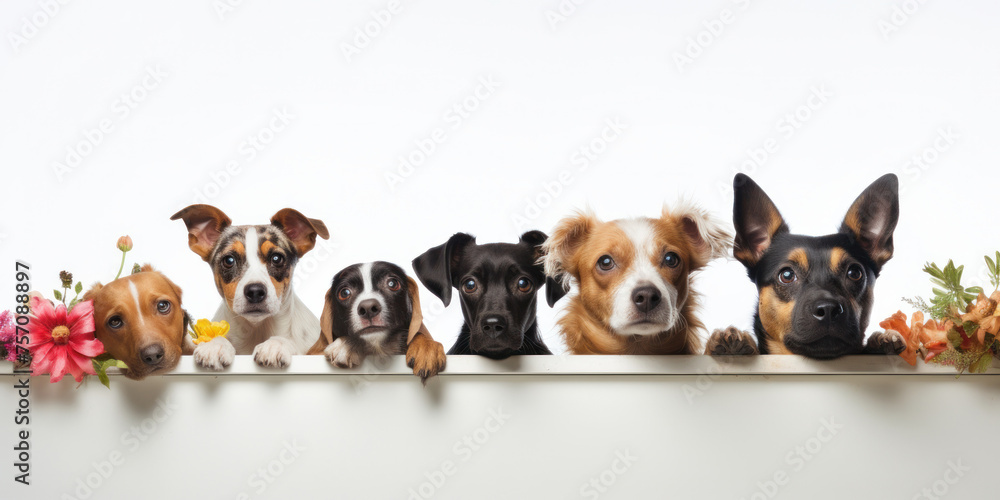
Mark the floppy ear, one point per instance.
(417, 318)
(94, 289)
(325, 325)
(558, 251)
(872, 218)
(300, 229)
(205, 224)
(434, 266)
(553, 289)
(756, 219)
(708, 238)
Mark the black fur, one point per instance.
(496, 269)
(394, 316)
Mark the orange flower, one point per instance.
(897, 322)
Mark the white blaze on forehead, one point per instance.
(367, 291)
(255, 272)
(138, 305)
(642, 272)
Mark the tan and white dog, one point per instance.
(634, 280)
(253, 272)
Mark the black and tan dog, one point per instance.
(498, 285)
(815, 292)
(373, 309)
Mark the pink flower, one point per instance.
(8, 342)
(62, 342)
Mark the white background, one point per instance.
(689, 127)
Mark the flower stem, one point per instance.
(122, 266)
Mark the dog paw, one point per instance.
(426, 357)
(215, 355)
(275, 352)
(889, 342)
(731, 342)
(340, 354)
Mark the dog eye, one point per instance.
(671, 260)
(228, 261)
(855, 273)
(606, 263)
(163, 306)
(470, 285)
(115, 322)
(393, 284)
(524, 285)
(344, 293)
(787, 275)
(278, 259)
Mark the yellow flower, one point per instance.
(204, 330)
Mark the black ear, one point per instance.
(756, 219)
(434, 266)
(872, 218)
(535, 239)
(554, 290)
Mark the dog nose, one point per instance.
(152, 354)
(646, 298)
(368, 309)
(255, 293)
(827, 311)
(493, 326)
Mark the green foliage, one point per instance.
(102, 363)
(994, 268)
(950, 297)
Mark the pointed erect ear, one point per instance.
(756, 219)
(567, 237)
(300, 229)
(434, 267)
(205, 224)
(708, 238)
(417, 318)
(872, 218)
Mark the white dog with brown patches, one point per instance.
(253, 272)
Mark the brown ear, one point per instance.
(300, 229)
(708, 238)
(94, 289)
(558, 251)
(872, 218)
(417, 320)
(326, 319)
(205, 224)
(756, 219)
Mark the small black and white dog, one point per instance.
(373, 309)
(499, 283)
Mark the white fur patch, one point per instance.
(642, 272)
(275, 352)
(338, 354)
(138, 306)
(255, 273)
(215, 355)
(367, 292)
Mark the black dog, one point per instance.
(373, 309)
(499, 283)
(815, 293)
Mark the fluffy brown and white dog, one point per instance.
(634, 280)
(253, 272)
(139, 320)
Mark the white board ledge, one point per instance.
(589, 365)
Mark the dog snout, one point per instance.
(255, 293)
(646, 298)
(369, 309)
(493, 325)
(152, 354)
(827, 311)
